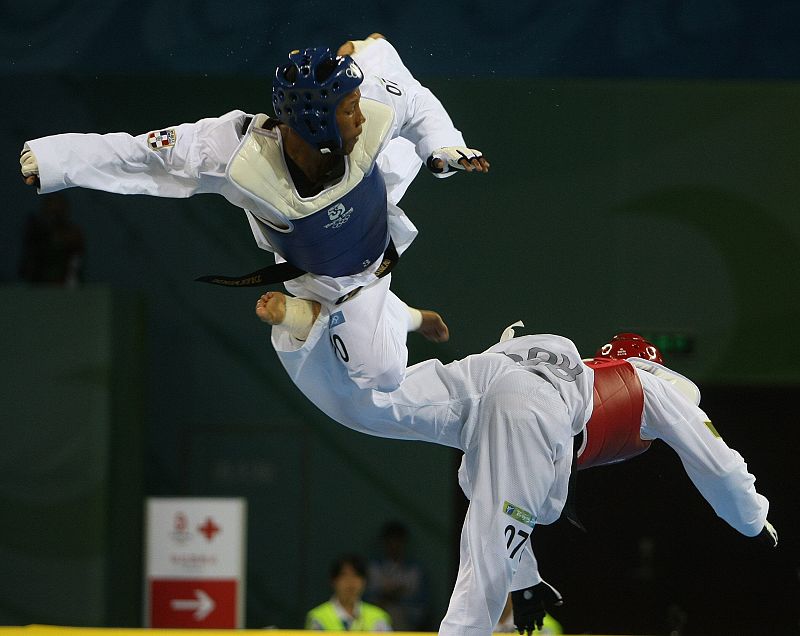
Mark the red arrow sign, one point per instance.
(193, 603)
(202, 605)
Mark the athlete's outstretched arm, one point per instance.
(176, 161)
(716, 470)
(420, 116)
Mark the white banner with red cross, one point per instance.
(195, 562)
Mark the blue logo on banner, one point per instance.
(336, 320)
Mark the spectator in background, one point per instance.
(345, 611)
(53, 246)
(396, 583)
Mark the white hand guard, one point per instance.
(451, 155)
(28, 163)
(768, 535)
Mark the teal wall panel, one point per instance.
(71, 456)
(662, 206)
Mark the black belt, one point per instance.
(278, 273)
(281, 272)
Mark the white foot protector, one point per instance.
(299, 317)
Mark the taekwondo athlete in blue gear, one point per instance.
(350, 233)
(313, 196)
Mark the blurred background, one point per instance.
(644, 177)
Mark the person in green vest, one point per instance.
(345, 611)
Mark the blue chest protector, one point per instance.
(343, 238)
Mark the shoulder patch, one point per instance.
(162, 139)
(336, 320)
(519, 514)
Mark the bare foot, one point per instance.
(298, 314)
(271, 308)
(348, 48)
(433, 327)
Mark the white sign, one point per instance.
(195, 552)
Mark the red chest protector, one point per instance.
(612, 433)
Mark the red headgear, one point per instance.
(629, 345)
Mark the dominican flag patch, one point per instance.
(160, 139)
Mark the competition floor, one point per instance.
(49, 630)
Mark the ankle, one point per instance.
(300, 316)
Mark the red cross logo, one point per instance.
(209, 529)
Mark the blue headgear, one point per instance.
(305, 102)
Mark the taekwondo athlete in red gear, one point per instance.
(637, 400)
(515, 411)
(313, 185)
(618, 403)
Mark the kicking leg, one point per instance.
(518, 463)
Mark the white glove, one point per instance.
(768, 535)
(451, 155)
(28, 163)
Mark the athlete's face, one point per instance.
(348, 586)
(349, 119)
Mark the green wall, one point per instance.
(71, 460)
(660, 206)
